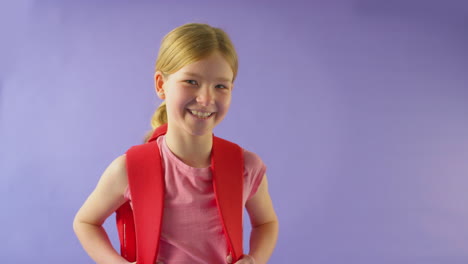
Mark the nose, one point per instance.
(205, 96)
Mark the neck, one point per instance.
(194, 151)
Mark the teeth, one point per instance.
(200, 114)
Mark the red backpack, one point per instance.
(140, 229)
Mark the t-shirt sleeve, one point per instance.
(254, 169)
(127, 193)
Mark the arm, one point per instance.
(264, 224)
(103, 201)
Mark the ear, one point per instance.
(159, 81)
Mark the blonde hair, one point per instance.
(187, 44)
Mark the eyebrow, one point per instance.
(220, 79)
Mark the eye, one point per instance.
(221, 86)
(192, 82)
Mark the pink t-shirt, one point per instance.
(191, 228)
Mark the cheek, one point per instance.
(177, 99)
(174, 106)
(227, 102)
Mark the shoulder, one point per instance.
(119, 163)
(118, 166)
(254, 170)
(113, 180)
(251, 160)
(116, 173)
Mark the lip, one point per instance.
(200, 110)
(206, 118)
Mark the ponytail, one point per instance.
(159, 118)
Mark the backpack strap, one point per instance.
(126, 230)
(228, 175)
(140, 230)
(146, 182)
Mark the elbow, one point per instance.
(275, 224)
(272, 223)
(76, 224)
(80, 223)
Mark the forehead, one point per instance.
(213, 67)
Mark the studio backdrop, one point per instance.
(358, 108)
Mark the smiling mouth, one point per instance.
(201, 115)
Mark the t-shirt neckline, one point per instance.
(178, 162)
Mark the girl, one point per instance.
(195, 71)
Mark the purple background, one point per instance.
(358, 108)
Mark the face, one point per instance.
(197, 96)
